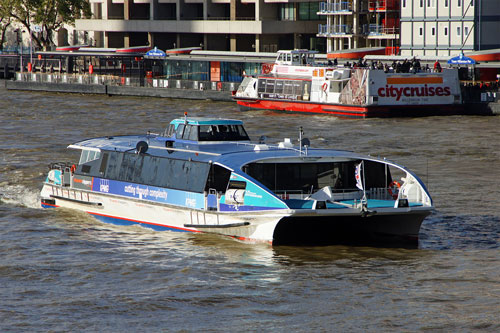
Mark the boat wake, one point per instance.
(19, 195)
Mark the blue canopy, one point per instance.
(156, 53)
(462, 60)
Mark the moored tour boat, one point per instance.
(204, 175)
(297, 83)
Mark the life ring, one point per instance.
(267, 68)
(73, 169)
(392, 186)
(324, 87)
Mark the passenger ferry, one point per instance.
(205, 175)
(297, 83)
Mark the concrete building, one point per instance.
(448, 27)
(352, 24)
(226, 25)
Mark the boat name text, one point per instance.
(391, 91)
(144, 192)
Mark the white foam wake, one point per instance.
(19, 195)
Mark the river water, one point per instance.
(64, 271)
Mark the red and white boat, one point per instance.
(297, 83)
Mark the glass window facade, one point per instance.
(308, 11)
(200, 70)
(287, 12)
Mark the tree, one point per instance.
(50, 15)
(5, 20)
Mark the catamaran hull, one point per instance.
(394, 229)
(245, 225)
(350, 111)
(279, 227)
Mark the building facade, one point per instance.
(449, 27)
(352, 24)
(226, 25)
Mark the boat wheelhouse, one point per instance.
(205, 175)
(297, 83)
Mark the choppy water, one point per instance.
(63, 271)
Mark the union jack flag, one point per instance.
(357, 175)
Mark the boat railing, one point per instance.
(61, 166)
(268, 146)
(381, 193)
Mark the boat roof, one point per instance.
(233, 155)
(206, 121)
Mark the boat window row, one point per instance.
(150, 170)
(209, 132)
(89, 155)
(307, 178)
(285, 87)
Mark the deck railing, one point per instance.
(335, 7)
(116, 80)
(339, 195)
(374, 29)
(329, 30)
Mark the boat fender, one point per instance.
(325, 87)
(73, 169)
(141, 147)
(395, 185)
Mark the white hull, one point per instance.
(256, 226)
(297, 226)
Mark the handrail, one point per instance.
(343, 6)
(341, 29)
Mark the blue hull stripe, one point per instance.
(125, 221)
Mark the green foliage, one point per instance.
(51, 15)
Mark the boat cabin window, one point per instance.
(170, 130)
(218, 178)
(286, 87)
(278, 88)
(89, 155)
(270, 86)
(157, 171)
(189, 133)
(311, 58)
(179, 131)
(222, 133)
(193, 133)
(211, 132)
(306, 178)
(336, 86)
